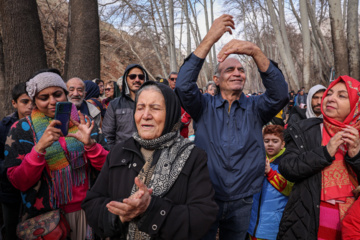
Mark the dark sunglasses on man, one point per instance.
(133, 76)
(173, 79)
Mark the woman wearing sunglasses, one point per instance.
(111, 91)
(118, 124)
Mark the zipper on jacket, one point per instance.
(258, 216)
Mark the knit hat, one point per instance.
(42, 81)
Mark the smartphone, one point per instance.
(62, 113)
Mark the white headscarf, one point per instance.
(309, 111)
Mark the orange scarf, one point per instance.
(338, 179)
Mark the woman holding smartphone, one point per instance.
(51, 170)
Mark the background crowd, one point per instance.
(169, 160)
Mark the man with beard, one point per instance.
(77, 93)
(313, 103)
(118, 124)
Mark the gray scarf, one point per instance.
(175, 150)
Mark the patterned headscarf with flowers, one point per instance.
(338, 179)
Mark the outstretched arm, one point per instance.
(219, 27)
(186, 88)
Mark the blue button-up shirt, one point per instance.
(232, 140)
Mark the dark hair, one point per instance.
(18, 90)
(277, 130)
(98, 81)
(172, 73)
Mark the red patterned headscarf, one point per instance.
(337, 180)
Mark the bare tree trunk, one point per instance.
(306, 44)
(157, 52)
(173, 63)
(23, 44)
(212, 20)
(318, 34)
(286, 59)
(2, 78)
(207, 30)
(84, 48)
(188, 30)
(338, 39)
(353, 38)
(166, 28)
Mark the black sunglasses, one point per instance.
(108, 89)
(133, 76)
(173, 79)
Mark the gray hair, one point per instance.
(218, 70)
(211, 83)
(172, 73)
(147, 87)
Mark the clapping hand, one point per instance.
(352, 140)
(132, 206)
(84, 130)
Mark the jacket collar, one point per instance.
(219, 101)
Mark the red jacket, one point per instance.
(351, 222)
(185, 119)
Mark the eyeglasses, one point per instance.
(133, 76)
(108, 89)
(173, 79)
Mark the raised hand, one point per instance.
(246, 48)
(133, 206)
(84, 132)
(334, 143)
(51, 135)
(219, 27)
(352, 140)
(267, 166)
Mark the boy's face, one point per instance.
(273, 145)
(24, 105)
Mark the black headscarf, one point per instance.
(92, 90)
(117, 92)
(172, 104)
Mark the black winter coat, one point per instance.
(302, 163)
(186, 211)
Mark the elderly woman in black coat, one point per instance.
(155, 184)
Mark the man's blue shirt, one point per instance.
(232, 140)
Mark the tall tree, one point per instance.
(306, 44)
(353, 38)
(83, 50)
(173, 62)
(338, 39)
(285, 54)
(23, 44)
(2, 77)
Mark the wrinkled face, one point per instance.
(109, 90)
(76, 88)
(273, 144)
(150, 114)
(135, 79)
(211, 90)
(172, 81)
(232, 76)
(101, 88)
(336, 103)
(46, 100)
(316, 102)
(24, 105)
